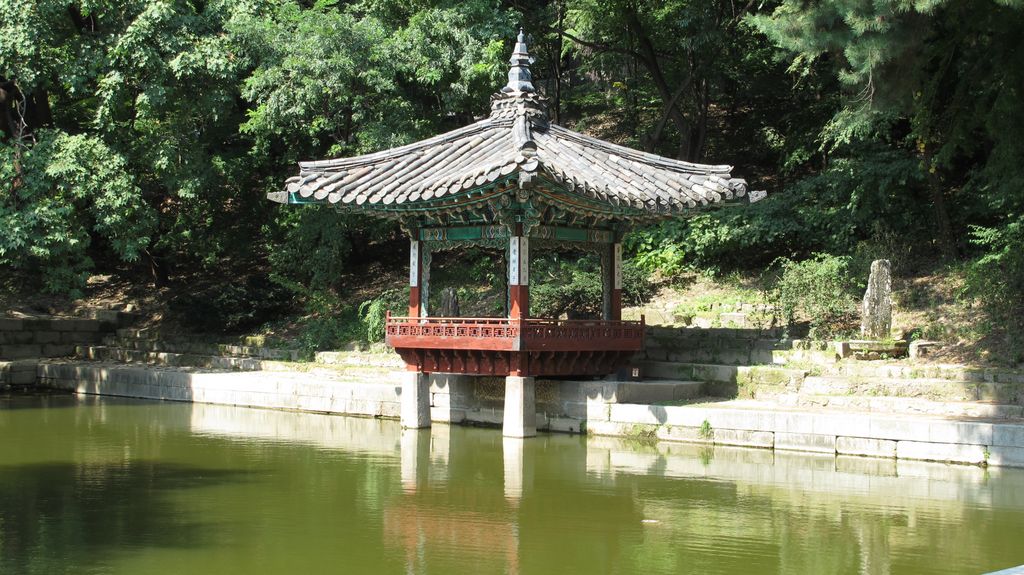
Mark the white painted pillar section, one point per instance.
(415, 454)
(519, 276)
(414, 263)
(414, 278)
(520, 418)
(513, 260)
(415, 408)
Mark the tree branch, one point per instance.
(598, 46)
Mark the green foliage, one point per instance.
(572, 286)
(154, 127)
(996, 278)
(312, 246)
(145, 133)
(816, 289)
(373, 313)
(656, 255)
(329, 330)
(705, 431)
(234, 307)
(712, 305)
(68, 190)
(560, 287)
(637, 287)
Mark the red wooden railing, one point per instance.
(514, 334)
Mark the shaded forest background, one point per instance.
(140, 137)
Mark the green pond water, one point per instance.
(92, 485)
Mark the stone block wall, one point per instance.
(727, 346)
(24, 341)
(35, 338)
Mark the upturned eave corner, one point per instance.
(278, 197)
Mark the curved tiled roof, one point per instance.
(516, 143)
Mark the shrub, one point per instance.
(572, 291)
(372, 313)
(575, 287)
(996, 279)
(329, 330)
(231, 307)
(637, 287)
(817, 289)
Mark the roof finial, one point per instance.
(519, 77)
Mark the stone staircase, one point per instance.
(755, 364)
(151, 347)
(25, 341)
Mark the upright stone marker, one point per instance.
(449, 302)
(876, 320)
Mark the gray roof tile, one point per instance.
(517, 136)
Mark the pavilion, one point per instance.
(515, 182)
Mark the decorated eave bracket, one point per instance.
(541, 232)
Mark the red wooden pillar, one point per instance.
(518, 295)
(415, 270)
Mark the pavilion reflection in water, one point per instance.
(460, 491)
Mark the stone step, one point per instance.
(122, 355)
(742, 352)
(202, 348)
(925, 388)
(823, 357)
(936, 371)
(658, 391)
(359, 358)
(157, 334)
(770, 375)
(661, 333)
(762, 381)
(906, 405)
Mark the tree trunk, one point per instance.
(557, 60)
(650, 61)
(701, 131)
(943, 228)
(157, 270)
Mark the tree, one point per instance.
(940, 80)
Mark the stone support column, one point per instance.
(451, 395)
(520, 418)
(415, 408)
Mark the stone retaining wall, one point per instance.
(596, 407)
(33, 338)
(878, 435)
(727, 346)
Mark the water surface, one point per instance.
(91, 485)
